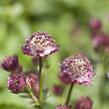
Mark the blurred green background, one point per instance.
(67, 22)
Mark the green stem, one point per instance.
(105, 61)
(40, 80)
(69, 94)
(35, 100)
(101, 89)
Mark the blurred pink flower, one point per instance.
(57, 89)
(84, 103)
(101, 42)
(95, 24)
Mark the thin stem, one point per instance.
(101, 92)
(69, 94)
(40, 66)
(35, 100)
(40, 80)
(105, 61)
(101, 89)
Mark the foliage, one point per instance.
(67, 21)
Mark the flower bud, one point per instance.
(10, 63)
(95, 24)
(84, 103)
(16, 83)
(101, 42)
(58, 90)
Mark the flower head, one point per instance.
(39, 44)
(63, 107)
(16, 82)
(10, 63)
(76, 69)
(58, 89)
(84, 103)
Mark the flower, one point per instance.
(76, 69)
(58, 89)
(32, 82)
(95, 24)
(101, 42)
(10, 63)
(39, 44)
(16, 82)
(84, 103)
(63, 107)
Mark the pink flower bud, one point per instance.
(84, 103)
(16, 82)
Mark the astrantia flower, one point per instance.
(63, 107)
(16, 82)
(84, 103)
(39, 44)
(101, 42)
(10, 63)
(76, 69)
(58, 89)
